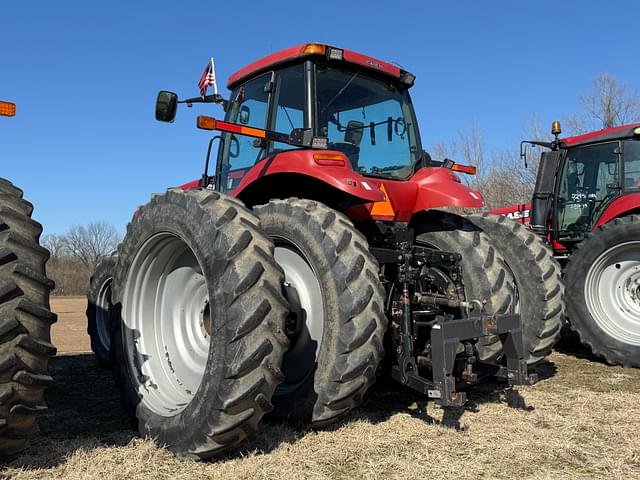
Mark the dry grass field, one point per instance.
(582, 421)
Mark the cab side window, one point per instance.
(631, 165)
(241, 152)
(289, 104)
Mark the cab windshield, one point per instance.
(371, 121)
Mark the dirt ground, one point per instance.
(582, 421)
(69, 333)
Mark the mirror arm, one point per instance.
(215, 98)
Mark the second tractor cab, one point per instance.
(586, 204)
(315, 249)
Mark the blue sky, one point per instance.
(84, 145)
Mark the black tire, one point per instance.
(246, 341)
(99, 309)
(538, 277)
(585, 259)
(486, 276)
(343, 363)
(25, 321)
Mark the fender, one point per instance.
(302, 162)
(619, 207)
(440, 187)
(429, 188)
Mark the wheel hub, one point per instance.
(612, 292)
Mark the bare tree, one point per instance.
(91, 243)
(56, 244)
(609, 103)
(501, 177)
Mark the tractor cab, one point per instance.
(333, 123)
(360, 106)
(580, 178)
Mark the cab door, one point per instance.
(590, 179)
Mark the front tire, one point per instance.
(99, 309)
(199, 339)
(338, 303)
(603, 289)
(25, 321)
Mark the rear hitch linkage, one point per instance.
(434, 348)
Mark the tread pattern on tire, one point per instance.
(486, 276)
(546, 289)
(25, 321)
(357, 346)
(251, 282)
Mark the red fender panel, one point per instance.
(440, 187)
(619, 207)
(336, 174)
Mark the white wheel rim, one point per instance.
(612, 292)
(103, 306)
(167, 319)
(305, 302)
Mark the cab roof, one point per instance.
(615, 133)
(317, 49)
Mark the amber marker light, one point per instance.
(555, 128)
(330, 159)
(468, 169)
(313, 49)
(206, 123)
(7, 109)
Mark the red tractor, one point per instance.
(278, 283)
(586, 205)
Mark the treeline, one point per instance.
(76, 254)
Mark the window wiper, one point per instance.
(353, 77)
(288, 117)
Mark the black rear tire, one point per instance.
(602, 330)
(344, 357)
(25, 321)
(241, 285)
(486, 276)
(538, 278)
(99, 309)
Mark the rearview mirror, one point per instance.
(166, 106)
(354, 132)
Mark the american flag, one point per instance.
(207, 79)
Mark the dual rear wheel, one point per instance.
(220, 316)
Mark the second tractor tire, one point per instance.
(25, 322)
(338, 304)
(603, 291)
(99, 309)
(538, 278)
